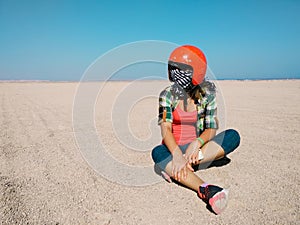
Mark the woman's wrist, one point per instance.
(176, 151)
(201, 141)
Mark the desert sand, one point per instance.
(45, 177)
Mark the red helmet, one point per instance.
(192, 56)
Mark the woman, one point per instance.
(188, 121)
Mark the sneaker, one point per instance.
(216, 197)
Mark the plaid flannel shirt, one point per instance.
(206, 109)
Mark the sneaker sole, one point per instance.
(219, 201)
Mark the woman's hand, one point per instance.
(192, 152)
(179, 166)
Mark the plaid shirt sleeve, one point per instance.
(211, 120)
(165, 106)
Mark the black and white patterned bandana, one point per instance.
(181, 75)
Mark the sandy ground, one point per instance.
(44, 178)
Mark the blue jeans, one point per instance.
(229, 140)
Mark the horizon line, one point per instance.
(126, 80)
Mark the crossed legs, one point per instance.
(211, 151)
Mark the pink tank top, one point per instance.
(183, 126)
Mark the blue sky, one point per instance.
(58, 40)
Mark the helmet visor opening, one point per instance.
(180, 66)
